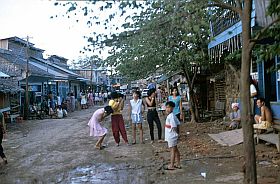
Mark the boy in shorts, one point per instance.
(171, 136)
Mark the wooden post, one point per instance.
(26, 80)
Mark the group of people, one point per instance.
(135, 112)
(262, 120)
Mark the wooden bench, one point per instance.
(272, 135)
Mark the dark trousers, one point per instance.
(118, 127)
(152, 116)
(2, 155)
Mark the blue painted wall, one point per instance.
(275, 107)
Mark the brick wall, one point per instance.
(232, 87)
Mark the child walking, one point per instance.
(135, 115)
(2, 133)
(171, 136)
(96, 129)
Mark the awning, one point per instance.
(3, 75)
(162, 78)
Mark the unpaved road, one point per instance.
(61, 151)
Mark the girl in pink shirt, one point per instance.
(96, 129)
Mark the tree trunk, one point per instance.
(193, 102)
(246, 114)
(193, 108)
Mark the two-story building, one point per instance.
(25, 62)
(226, 33)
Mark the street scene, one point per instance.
(140, 92)
(61, 151)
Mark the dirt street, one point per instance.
(61, 151)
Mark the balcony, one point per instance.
(224, 22)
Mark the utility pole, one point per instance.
(91, 74)
(26, 104)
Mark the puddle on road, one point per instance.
(106, 173)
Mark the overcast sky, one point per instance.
(59, 36)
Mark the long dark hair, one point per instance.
(172, 89)
(151, 91)
(108, 109)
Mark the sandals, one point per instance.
(100, 147)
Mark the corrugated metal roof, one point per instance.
(49, 70)
(19, 61)
(57, 67)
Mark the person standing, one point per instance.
(90, 98)
(172, 135)
(73, 102)
(159, 95)
(2, 134)
(96, 129)
(253, 94)
(176, 98)
(105, 97)
(118, 127)
(135, 112)
(58, 100)
(152, 115)
(83, 101)
(68, 102)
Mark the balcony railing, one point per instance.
(224, 22)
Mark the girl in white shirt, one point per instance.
(135, 112)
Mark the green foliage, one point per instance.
(268, 46)
(168, 34)
(88, 62)
(171, 34)
(274, 8)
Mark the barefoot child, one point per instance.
(171, 136)
(117, 103)
(135, 115)
(94, 123)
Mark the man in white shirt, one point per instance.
(171, 136)
(253, 95)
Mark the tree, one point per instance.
(179, 45)
(89, 62)
(151, 38)
(244, 9)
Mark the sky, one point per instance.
(58, 36)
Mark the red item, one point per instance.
(167, 126)
(118, 127)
